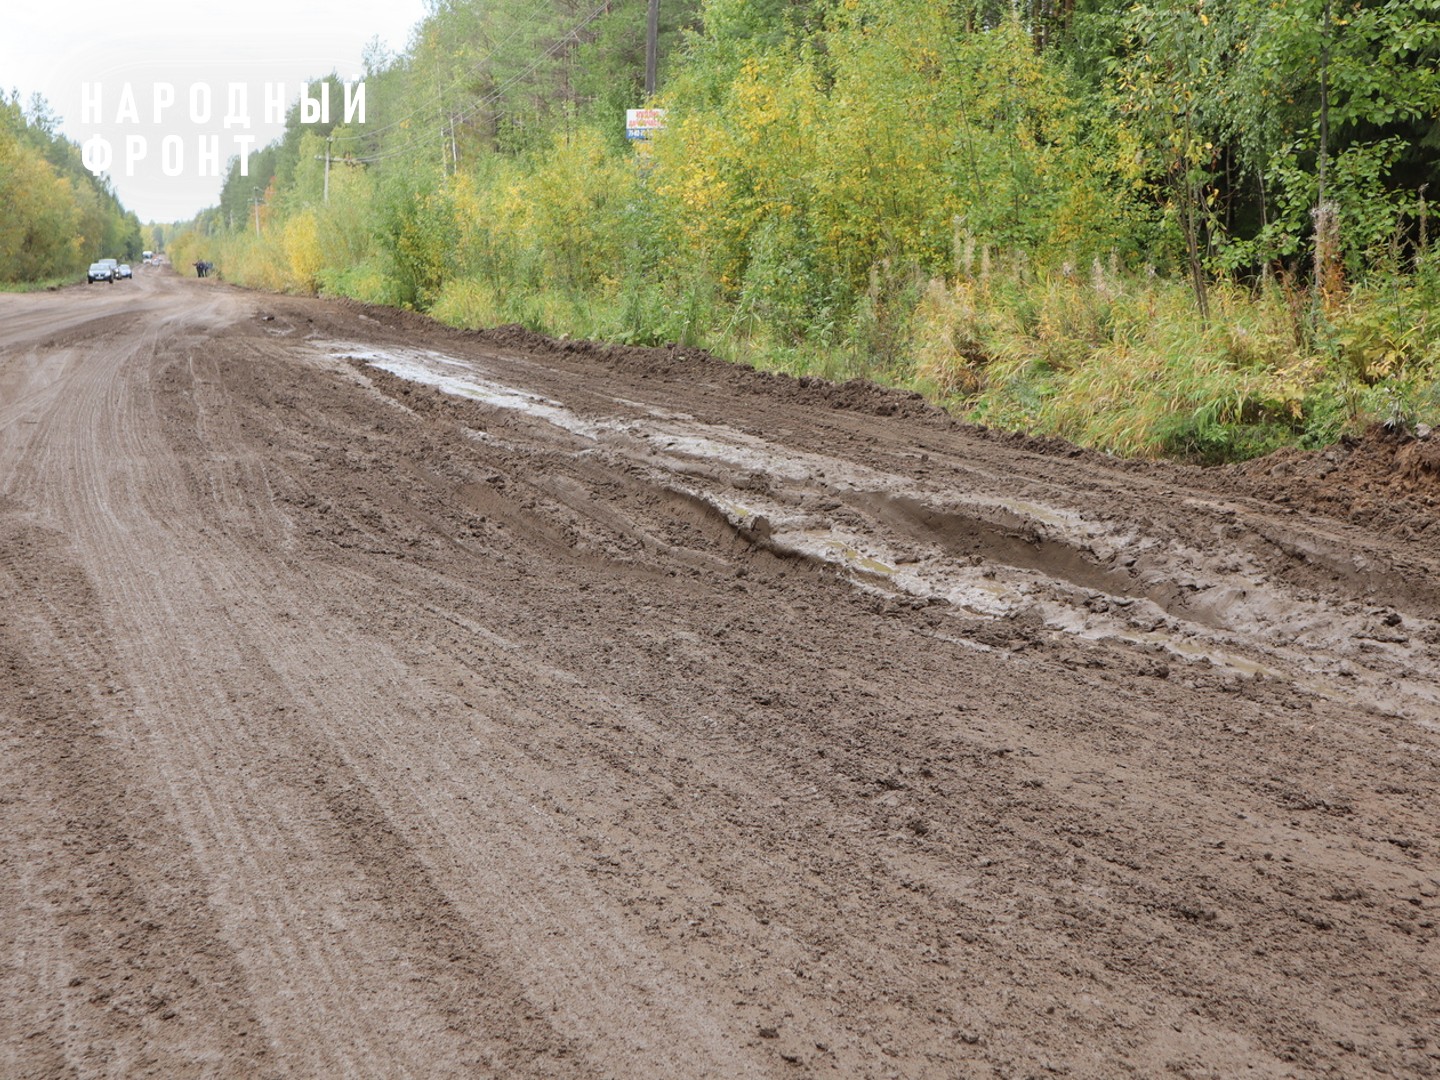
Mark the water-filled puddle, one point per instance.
(1001, 582)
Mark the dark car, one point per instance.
(100, 272)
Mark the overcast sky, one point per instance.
(55, 46)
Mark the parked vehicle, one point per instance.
(99, 272)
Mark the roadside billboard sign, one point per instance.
(641, 124)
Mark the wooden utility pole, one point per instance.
(652, 37)
(1328, 271)
(326, 159)
(256, 201)
(1322, 158)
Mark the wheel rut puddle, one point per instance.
(979, 554)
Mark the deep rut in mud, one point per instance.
(382, 699)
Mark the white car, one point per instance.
(123, 271)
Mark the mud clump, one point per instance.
(1418, 464)
(1381, 480)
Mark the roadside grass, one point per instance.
(1124, 365)
(41, 286)
(653, 314)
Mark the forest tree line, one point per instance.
(1199, 228)
(56, 217)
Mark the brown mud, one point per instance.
(382, 699)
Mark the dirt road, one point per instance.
(382, 700)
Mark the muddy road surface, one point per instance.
(383, 700)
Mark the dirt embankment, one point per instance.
(380, 699)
